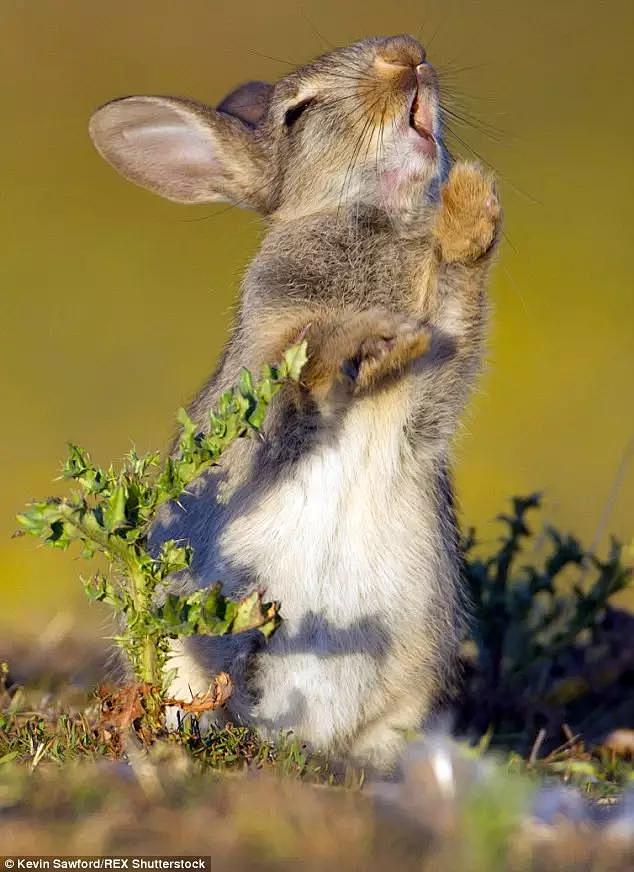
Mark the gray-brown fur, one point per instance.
(377, 253)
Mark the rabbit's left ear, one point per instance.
(182, 150)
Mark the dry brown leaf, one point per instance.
(621, 742)
(214, 697)
(121, 706)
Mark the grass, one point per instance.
(69, 786)
(39, 727)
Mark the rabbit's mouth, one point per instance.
(421, 122)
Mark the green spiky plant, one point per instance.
(112, 511)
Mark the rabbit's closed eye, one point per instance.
(294, 113)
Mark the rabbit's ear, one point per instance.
(249, 102)
(182, 150)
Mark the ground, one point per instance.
(74, 784)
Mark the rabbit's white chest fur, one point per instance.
(317, 540)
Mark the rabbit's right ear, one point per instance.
(182, 150)
(249, 102)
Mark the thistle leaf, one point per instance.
(294, 360)
(114, 516)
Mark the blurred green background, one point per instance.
(115, 303)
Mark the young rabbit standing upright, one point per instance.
(376, 251)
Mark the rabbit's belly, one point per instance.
(344, 537)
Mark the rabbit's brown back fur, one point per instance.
(376, 252)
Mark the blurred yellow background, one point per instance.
(115, 303)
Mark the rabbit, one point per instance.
(376, 251)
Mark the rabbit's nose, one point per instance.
(425, 74)
(401, 51)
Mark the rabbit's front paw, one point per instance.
(359, 350)
(390, 344)
(469, 214)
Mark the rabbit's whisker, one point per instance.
(357, 150)
(489, 132)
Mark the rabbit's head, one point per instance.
(358, 126)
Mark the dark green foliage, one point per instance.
(547, 647)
